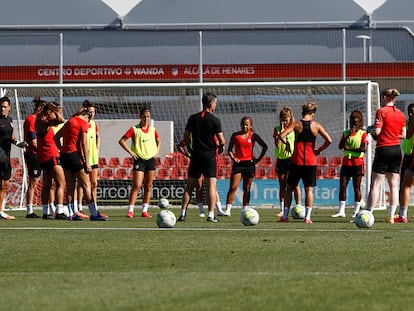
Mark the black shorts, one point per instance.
(5, 171)
(246, 168)
(53, 161)
(305, 172)
(283, 166)
(71, 162)
(33, 165)
(387, 160)
(144, 165)
(203, 164)
(350, 171)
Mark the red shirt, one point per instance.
(391, 121)
(30, 133)
(46, 147)
(243, 147)
(72, 132)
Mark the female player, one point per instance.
(304, 157)
(144, 147)
(244, 161)
(354, 142)
(388, 130)
(49, 158)
(284, 163)
(75, 162)
(94, 142)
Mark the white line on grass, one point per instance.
(205, 229)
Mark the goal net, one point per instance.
(171, 104)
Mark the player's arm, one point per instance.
(326, 137)
(182, 148)
(158, 141)
(221, 142)
(85, 152)
(262, 144)
(231, 146)
(123, 143)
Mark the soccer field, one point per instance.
(130, 264)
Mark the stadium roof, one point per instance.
(203, 15)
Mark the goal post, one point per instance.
(171, 104)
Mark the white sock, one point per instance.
(45, 208)
(130, 208)
(245, 206)
(145, 207)
(183, 212)
(308, 212)
(51, 208)
(211, 214)
(357, 207)
(59, 209)
(29, 209)
(218, 207)
(228, 207)
(282, 205)
(391, 213)
(341, 207)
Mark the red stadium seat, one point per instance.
(224, 160)
(261, 173)
(102, 162)
(114, 162)
(266, 162)
(322, 161)
(15, 163)
(169, 160)
(107, 173)
(121, 173)
(179, 173)
(127, 162)
(163, 173)
(158, 162)
(336, 161)
(271, 174)
(18, 173)
(319, 173)
(331, 173)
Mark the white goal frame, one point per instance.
(368, 85)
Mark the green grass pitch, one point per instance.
(130, 264)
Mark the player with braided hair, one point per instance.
(354, 142)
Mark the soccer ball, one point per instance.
(364, 219)
(298, 212)
(249, 217)
(163, 203)
(166, 219)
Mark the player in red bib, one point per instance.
(32, 161)
(244, 161)
(75, 161)
(304, 157)
(388, 130)
(49, 160)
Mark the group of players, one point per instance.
(68, 154)
(62, 151)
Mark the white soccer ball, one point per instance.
(166, 219)
(364, 219)
(298, 212)
(163, 203)
(249, 217)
